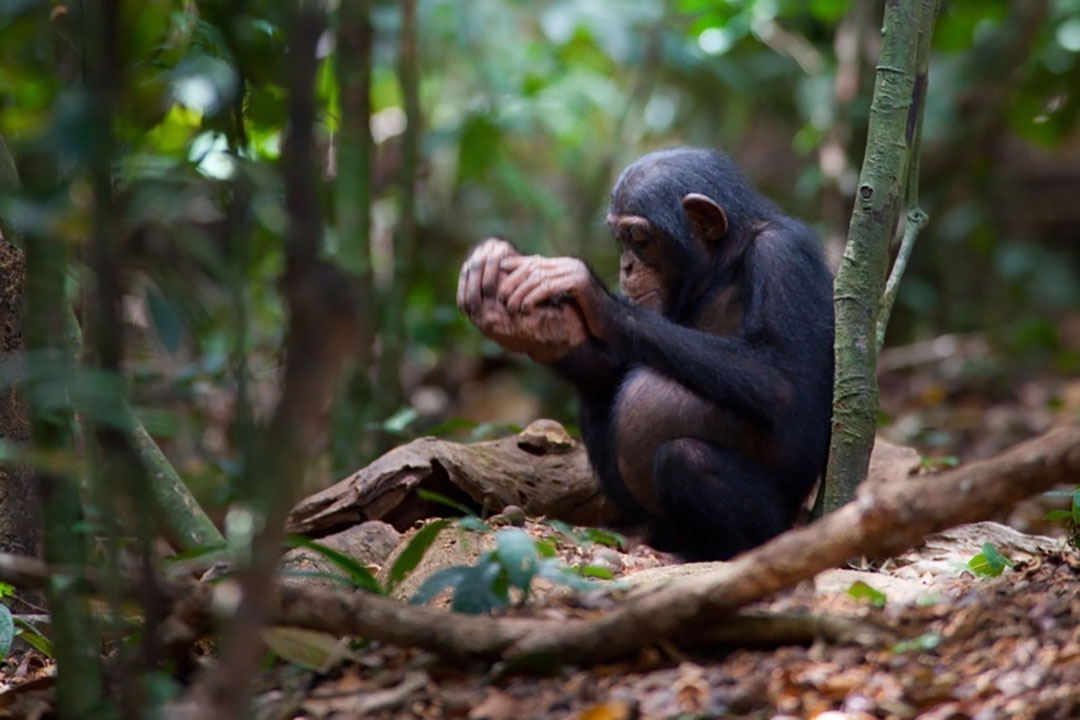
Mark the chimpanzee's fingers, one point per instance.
(545, 280)
(513, 262)
(473, 298)
(489, 280)
(525, 284)
(463, 277)
(510, 282)
(553, 284)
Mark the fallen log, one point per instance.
(541, 470)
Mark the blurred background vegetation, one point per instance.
(527, 110)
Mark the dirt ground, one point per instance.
(1007, 647)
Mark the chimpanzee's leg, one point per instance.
(716, 502)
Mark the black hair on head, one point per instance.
(655, 184)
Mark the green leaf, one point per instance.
(516, 551)
(609, 538)
(927, 641)
(34, 638)
(413, 553)
(7, 630)
(450, 577)
(595, 571)
(6, 590)
(441, 499)
(861, 591)
(553, 570)
(990, 562)
(198, 552)
(982, 567)
(994, 556)
(396, 423)
(1056, 515)
(359, 575)
(546, 548)
(309, 649)
(166, 320)
(483, 589)
(473, 524)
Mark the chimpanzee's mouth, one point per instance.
(639, 299)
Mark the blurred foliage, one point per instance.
(529, 111)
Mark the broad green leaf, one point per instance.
(482, 589)
(994, 556)
(34, 637)
(861, 591)
(309, 649)
(516, 552)
(7, 630)
(990, 562)
(449, 577)
(413, 553)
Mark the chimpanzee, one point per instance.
(706, 384)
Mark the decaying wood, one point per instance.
(541, 469)
(883, 520)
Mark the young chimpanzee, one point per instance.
(706, 385)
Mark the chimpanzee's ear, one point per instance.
(707, 219)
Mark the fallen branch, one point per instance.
(885, 519)
(541, 470)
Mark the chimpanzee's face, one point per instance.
(644, 278)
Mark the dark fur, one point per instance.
(739, 479)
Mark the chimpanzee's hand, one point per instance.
(479, 277)
(534, 279)
(547, 334)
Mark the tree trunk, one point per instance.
(894, 114)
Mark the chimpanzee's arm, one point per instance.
(784, 347)
(751, 373)
(592, 369)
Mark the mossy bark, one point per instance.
(899, 93)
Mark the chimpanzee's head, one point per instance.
(673, 212)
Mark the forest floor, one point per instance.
(1008, 647)
(961, 647)
(973, 647)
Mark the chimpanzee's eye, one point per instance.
(640, 238)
